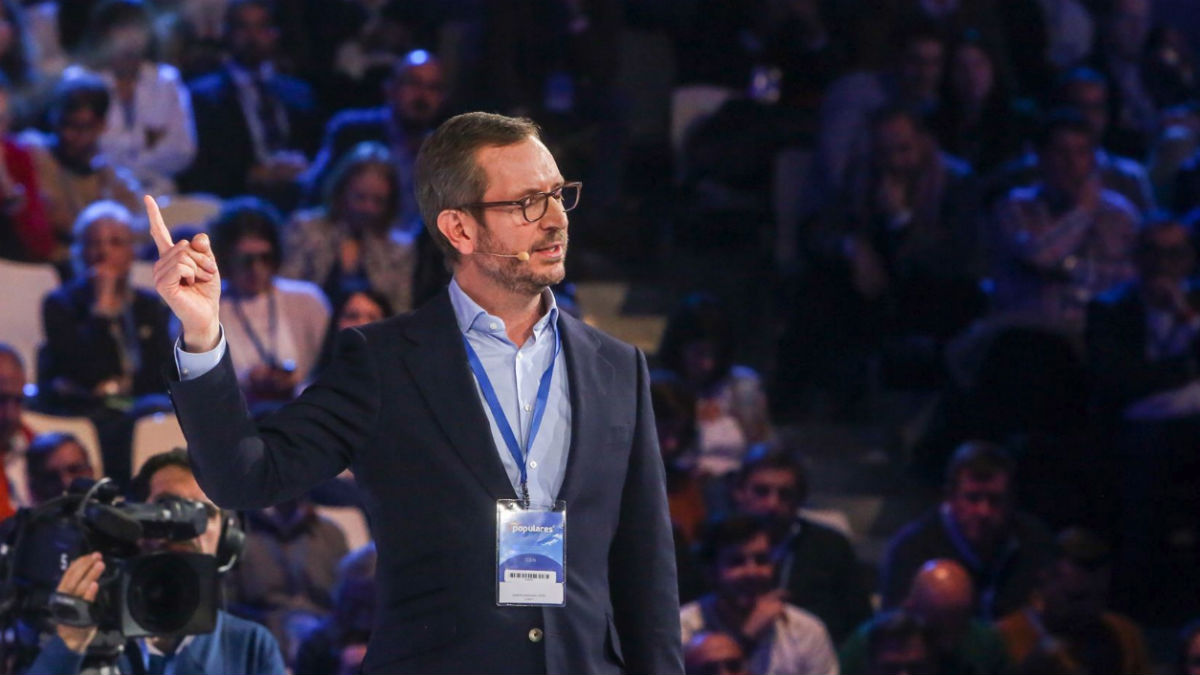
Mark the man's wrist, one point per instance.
(201, 341)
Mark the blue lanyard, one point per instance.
(539, 409)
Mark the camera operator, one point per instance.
(234, 646)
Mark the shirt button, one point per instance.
(535, 634)
(528, 407)
(519, 355)
(533, 463)
(493, 325)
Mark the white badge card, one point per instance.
(531, 550)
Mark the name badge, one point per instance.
(531, 553)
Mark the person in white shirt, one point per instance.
(150, 127)
(778, 638)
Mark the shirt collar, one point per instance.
(470, 316)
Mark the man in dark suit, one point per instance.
(403, 403)
(255, 126)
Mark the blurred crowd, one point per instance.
(992, 204)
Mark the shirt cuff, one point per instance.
(192, 365)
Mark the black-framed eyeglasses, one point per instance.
(534, 207)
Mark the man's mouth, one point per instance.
(551, 250)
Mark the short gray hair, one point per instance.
(447, 173)
(104, 209)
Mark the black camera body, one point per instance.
(160, 594)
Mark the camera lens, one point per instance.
(164, 592)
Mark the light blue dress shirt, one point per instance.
(514, 373)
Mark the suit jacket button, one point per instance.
(535, 634)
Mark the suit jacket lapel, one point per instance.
(589, 376)
(438, 363)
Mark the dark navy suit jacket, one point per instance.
(398, 404)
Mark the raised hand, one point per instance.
(187, 279)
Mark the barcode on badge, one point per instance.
(510, 575)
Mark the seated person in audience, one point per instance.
(273, 326)
(779, 638)
(415, 95)
(898, 643)
(1066, 626)
(1066, 239)
(71, 170)
(978, 526)
(714, 653)
(731, 408)
(942, 598)
(25, 233)
(358, 308)
(15, 436)
(328, 647)
(905, 234)
(254, 124)
(149, 130)
(52, 462)
(1189, 649)
(817, 565)
(675, 419)
(1086, 91)
(286, 574)
(105, 339)
(355, 241)
(1142, 335)
(234, 646)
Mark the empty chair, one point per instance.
(154, 434)
(188, 210)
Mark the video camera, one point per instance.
(158, 594)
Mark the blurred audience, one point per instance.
(25, 233)
(1065, 239)
(698, 345)
(329, 647)
(1066, 626)
(71, 171)
(149, 129)
(978, 526)
(415, 98)
(274, 326)
(15, 436)
(942, 599)
(898, 644)
(777, 637)
(52, 462)
(254, 125)
(355, 241)
(285, 577)
(816, 564)
(714, 653)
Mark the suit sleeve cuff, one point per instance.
(192, 365)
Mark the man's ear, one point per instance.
(459, 229)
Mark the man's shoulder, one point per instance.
(801, 621)
(924, 536)
(602, 341)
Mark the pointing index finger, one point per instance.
(158, 228)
